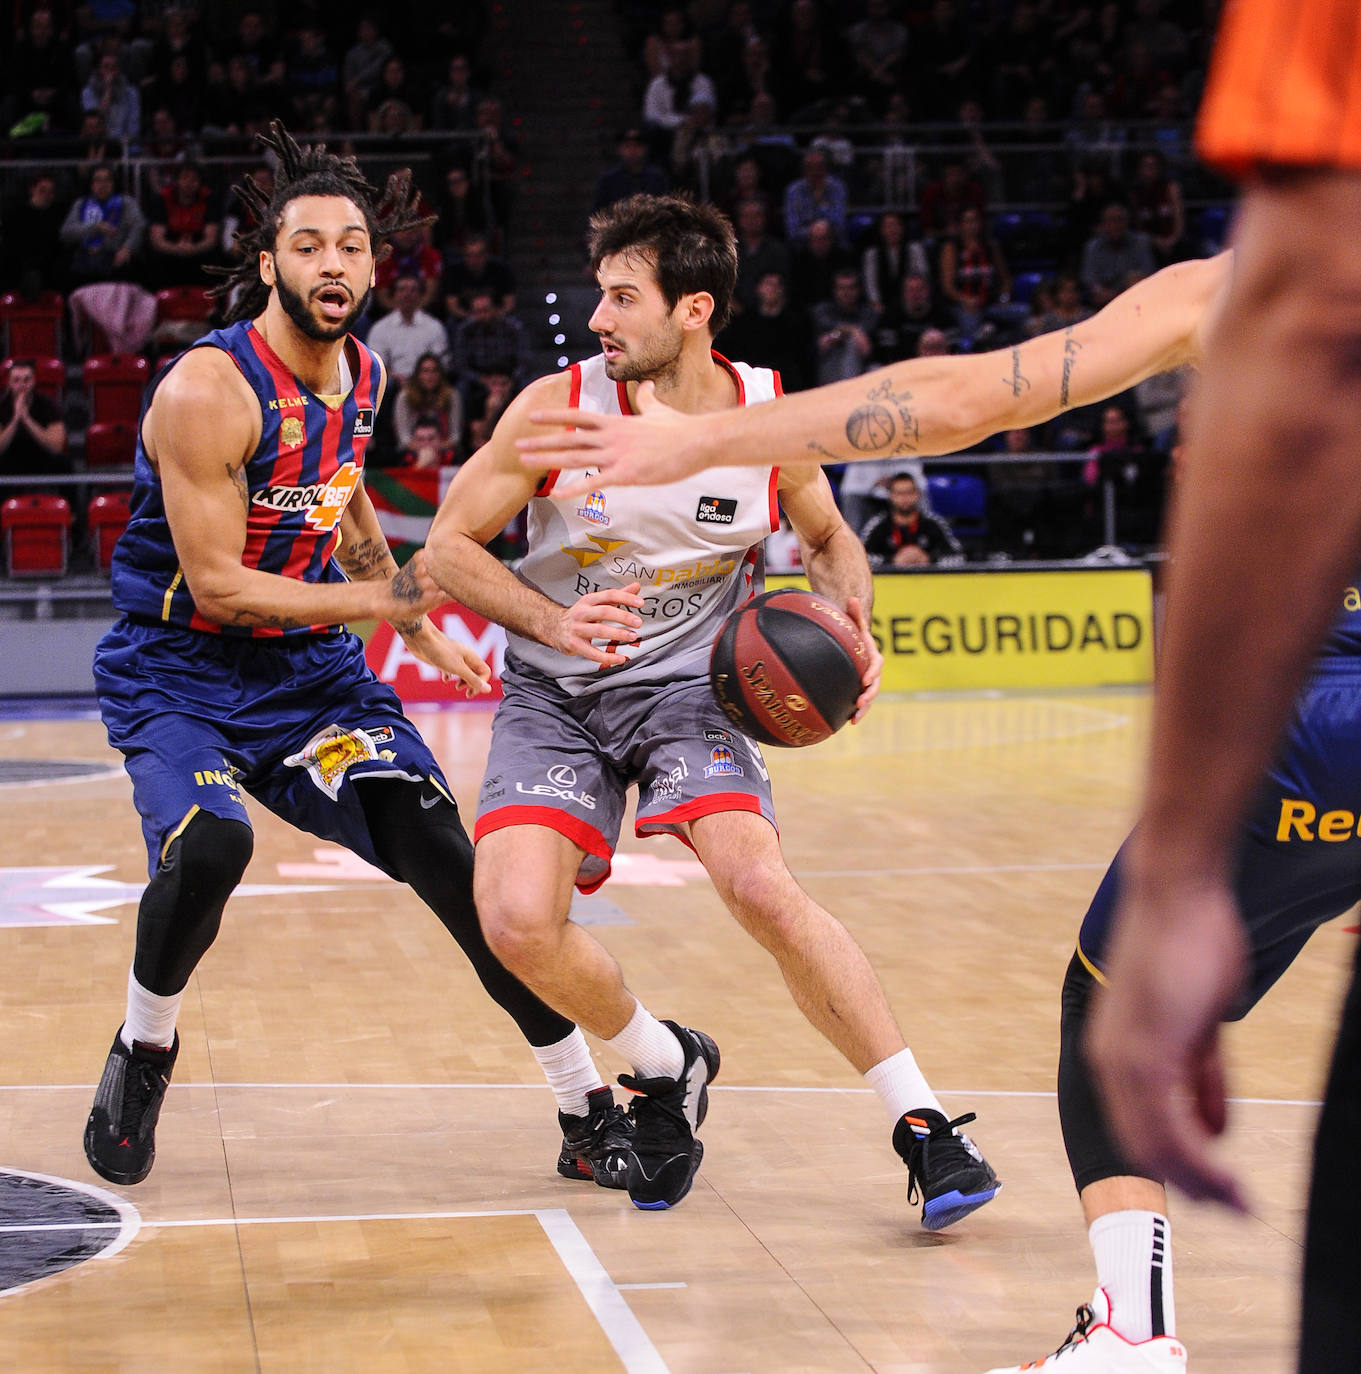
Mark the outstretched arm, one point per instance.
(909, 409)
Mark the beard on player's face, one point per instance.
(299, 310)
(650, 359)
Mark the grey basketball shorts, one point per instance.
(567, 763)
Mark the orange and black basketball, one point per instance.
(786, 668)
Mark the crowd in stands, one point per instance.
(906, 177)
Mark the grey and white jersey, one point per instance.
(694, 545)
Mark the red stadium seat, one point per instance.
(31, 328)
(110, 444)
(51, 380)
(115, 382)
(108, 518)
(36, 532)
(183, 303)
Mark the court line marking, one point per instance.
(621, 1328)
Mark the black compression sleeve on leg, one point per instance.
(431, 852)
(181, 908)
(1092, 1154)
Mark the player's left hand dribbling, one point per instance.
(875, 671)
(455, 661)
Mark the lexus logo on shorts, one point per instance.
(562, 776)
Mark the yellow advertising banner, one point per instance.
(943, 631)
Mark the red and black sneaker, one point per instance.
(597, 1145)
(120, 1136)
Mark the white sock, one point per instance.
(900, 1085)
(1134, 1266)
(150, 1019)
(570, 1070)
(653, 1050)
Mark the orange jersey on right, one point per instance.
(1284, 86)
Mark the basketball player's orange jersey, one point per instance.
(1284, 87)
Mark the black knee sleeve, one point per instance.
(430, 851)
(181, 909)
(1092, 1154)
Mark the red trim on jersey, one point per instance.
(581, 833)
(625, 407)
(550, 478)
(774, 499)
(733, 373)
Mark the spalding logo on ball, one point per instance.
(787, 668)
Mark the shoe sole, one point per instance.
(112, 1175)
(954, 1206)
(662, 1204)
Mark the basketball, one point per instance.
(786, 668)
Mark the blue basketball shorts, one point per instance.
(293, 721)
(1299, 855)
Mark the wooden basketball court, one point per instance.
(356, 1159)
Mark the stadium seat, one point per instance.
(183, 303)
(36, 531)
(108, 518)
(31, 328)
(115, 382)
(51, 376)
(1023, 286)
(960, 499)
(110, 444)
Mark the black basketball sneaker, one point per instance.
(597, 1145)
(666, 1114)
(120, 1136)
(944, 1168)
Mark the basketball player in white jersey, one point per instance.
(611, 616)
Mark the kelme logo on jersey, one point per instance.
(716, 510)
(322, 502)
(594, 509)
(722, 763)
(363, 422)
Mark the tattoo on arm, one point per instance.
(405, 587)
(825, 454)
(237, 477)
(1071, 348)
(365, 558)
(1018, 381)
(273, 622)
(885, 421)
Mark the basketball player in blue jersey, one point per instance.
(611, 616)
(230, 670)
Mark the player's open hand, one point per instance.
(658, 445)
(875, 671)
(456, 662)
(604, 615)
(1177, 968)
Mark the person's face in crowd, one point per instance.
(188, 183)
(366, 32)
(92, 126)
(475, 254)
(321, 265)
(747, 177)
(970, 114)
(1114, 427)
(40, 28)
(22, 380)
(1037, 110)
(394, 73)
(916, 294)
(971, 225)
(846, 292)
(891, 231)
(1068, 295)
(179, 69)
(482, 307)
(42, 193)
(251, 29)
(932, 344)
(633, 153)
(815, 167)
(803, 15)
(770, 294)
(163, 128)
(751, 220)
(489, 115)
(406, 295)
(1115, 223)
(903, 495)
(456, 183)
(459, 72)
(640, 335)
(108, 69)
(310, 42)
(1093, 108)
(762, 108)
(821, 238)
(425, 435)
(428, 373)
(238, 73)
(1150, 169)
(101, 183)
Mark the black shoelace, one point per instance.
(941, 1136)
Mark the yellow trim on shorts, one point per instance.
(178, 830)
(170, 593)
(1091, 967)
(435, 784)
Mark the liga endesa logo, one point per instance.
(392, 662)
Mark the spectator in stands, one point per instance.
(162, 153)
(184, 230)
(774, 149)
(502, 157)
(179, 92)
(1115, 256)
(402, 337)
(1158, 400)
(980, 162)
(974, 276)
(807, 58)
(634, 174)
(362, 66)
(890, 259)
(1166, 40)
(772, 333)
(33, 258)
(1040, 174)
(670, 94)
(239, 217)
(393, 84)
(477, 271)
(934, 343)
(104, 229)
(454, 104)
(427, 447)
(462, 213)
(746, 184)
(179, 37)
(699, 149)
(115, 97)
(431, 397)
(1094, 137)
(816, 195)
(898, 331)
(1158, 209)
(1093, 189)
(412, 256)
(1019, 62)
(943, 59)
(816, 263)
(490, 395)
(1056, 304)
(1120, 458)
(758, 254)
(313, 76)
(905, 536)
(234, 99)
(258, 49)
(38, 80)
(842, 330)
(947, 197)
(878, 46)
(486, 344)
(32, 435)
(673, 31)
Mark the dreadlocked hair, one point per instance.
(308, 171)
